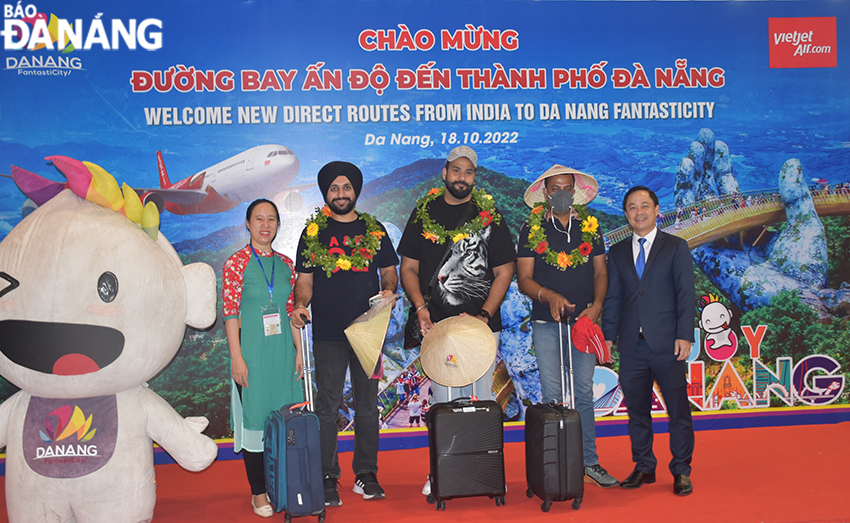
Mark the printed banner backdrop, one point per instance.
(736, 113)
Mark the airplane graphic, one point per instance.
(262, 171)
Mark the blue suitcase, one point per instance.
(293, 458)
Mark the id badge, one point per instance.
(271, 319)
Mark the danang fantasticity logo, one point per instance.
(69, 438)
(802, 42)
(60, 427)
(27, 29)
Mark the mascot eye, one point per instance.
(6, 289)
(107, 287)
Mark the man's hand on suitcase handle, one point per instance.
(300, 319)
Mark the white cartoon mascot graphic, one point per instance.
(720, 340)
(93, 302)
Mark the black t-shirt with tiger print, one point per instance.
(464, 280)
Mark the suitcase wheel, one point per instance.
(500, 500)
(529, 493)
(576, 504)
(440, 504)
(545, 505)
(430, 499)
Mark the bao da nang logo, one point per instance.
(51, 40)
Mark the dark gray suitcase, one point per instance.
(554, 458)
(466, 442)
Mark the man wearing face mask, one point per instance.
(561, 267)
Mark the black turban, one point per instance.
(329, 173)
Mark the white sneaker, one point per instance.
(426, 489)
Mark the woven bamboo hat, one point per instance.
(458, 351)
(367, 333)
(586, 186)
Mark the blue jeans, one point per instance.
(545, 338)
(483, 387)
(333, 358)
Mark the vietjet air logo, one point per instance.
(69, 438)
(802, 42)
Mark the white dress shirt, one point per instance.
(647, 245)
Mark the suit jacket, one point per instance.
(662, 302)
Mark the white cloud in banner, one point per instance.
(8, 221)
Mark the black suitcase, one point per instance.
(292, 457)
(466, 443)
(554, 458)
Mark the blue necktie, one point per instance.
(641, 258)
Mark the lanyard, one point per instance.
(269, 283)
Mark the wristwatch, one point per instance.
(484, 314)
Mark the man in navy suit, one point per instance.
(649, 311)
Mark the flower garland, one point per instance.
(435, 232)
(579, 256)
(363, 246)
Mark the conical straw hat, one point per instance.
(458, 351)
(366, 335)
(586, 186)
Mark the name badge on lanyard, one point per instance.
(271, 319)
(271, 312)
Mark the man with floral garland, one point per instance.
(561, 267)
(477, 272)
(340, 255)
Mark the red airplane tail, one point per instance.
(164, 182)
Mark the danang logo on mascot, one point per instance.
(60, 427)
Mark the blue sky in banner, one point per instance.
(765, 115)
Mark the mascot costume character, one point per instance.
(93, 302)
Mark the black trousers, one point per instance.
(333, 358)
(637, 372)
(254, 466)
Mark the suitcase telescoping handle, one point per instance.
(561, 353)
(305, 362)
(472, 398)
(298, 406)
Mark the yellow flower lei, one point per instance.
(363, 246)
(538, 243)
(438, 234)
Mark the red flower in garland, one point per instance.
(541, 247)
(486, 218)
(365, 252)
(584, 249)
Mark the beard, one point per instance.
(342, 205)
(459, 190)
